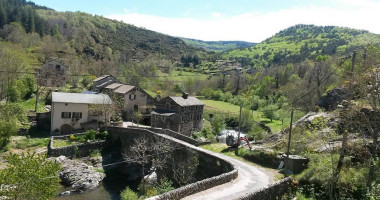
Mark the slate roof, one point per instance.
(124, 89)
(62, 97)
(100, 78)
(190, 101)
(114, 86)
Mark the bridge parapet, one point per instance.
(219, 170)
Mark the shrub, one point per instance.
(164, 185)
(102, 135)
(90, 134)
(7, 129)
(128, 194)
(72, 137)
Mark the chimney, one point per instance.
(185, 95)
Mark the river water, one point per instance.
(109, 188)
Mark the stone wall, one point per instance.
(82, 150)
(220, 171)
(175, 135)
(197, 186)
(271, 192)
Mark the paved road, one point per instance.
(250, 178)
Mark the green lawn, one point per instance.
(221, 106)
(30, 104)
(275, 125)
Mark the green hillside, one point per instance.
(90, 36)
(217, 45)
(301, 42)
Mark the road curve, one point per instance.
(250, 178)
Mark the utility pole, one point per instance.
(353, 67)
(290, 137)
(241, 105)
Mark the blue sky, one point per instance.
(248, 20)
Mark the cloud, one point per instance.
(216, 15)
(255, 27)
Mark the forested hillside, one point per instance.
(301, 42)
(88, 35)
(217, 45)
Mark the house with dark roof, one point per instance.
(181, 114)
(100, 83)
(76, 111)
(134, 99)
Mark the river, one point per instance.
(109, 188)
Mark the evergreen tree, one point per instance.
(3, 14)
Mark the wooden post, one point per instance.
(290, 136)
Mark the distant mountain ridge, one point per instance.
(301, 42)
(217, 45)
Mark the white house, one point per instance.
(74, 111)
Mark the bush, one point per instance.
(102, 135)
(270, 112)
(90, 134)
(128, 194)
(7, 129)
(72, 137)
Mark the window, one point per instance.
(132, 97)
(77, 115)
(58, 67)
(66, 115)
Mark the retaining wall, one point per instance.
(271, 192)
(82, 150)
(222, 171)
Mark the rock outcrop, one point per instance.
(78, 175)
(330, 120)
(334, 97)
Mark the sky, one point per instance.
(241, 20)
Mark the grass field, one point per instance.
(182, 76)
(275, 125)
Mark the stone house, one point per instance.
(103, 81)
(133, 98)
(76, 111)
(52, 74)
(181, 114)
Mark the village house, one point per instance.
(100, 83)
(76, 111)
(181, 114)
(134, 99)
(52, 74)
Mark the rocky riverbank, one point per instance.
(78, 175)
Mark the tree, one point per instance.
(29, 176)
(148, 150)
(184, 166)
(217, 123)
